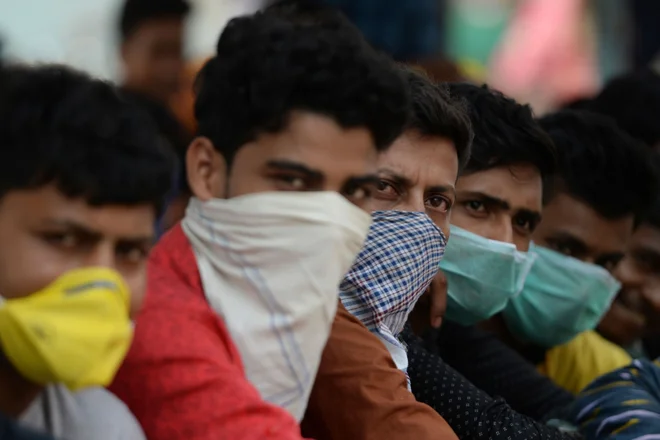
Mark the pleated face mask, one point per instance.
(562, 298)
(482, 276)
(399, 260)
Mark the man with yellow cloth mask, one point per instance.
(82, 181)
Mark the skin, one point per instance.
(312, 153)
(418, 174)
(636, 311)
(152, 58)
(502, 203)
(572, 228)
(46, 234)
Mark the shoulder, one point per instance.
(107, 416)
(576, 363)
(90, 413)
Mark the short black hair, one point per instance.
(505, 132)
(309, 11)
(436, 114)
(134, 13)
(652, 214)
(600, 164)
(171, 130)
(633, 100)
(267, 66)
(61, 127)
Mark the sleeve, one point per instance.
(624, 404)
(500, 371)
(359, 394)
(182, 382)
(472, 413)
(577, 363)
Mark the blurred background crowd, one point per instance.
(546, 52)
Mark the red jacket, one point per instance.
(183, 377)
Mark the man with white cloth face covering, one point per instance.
(411, 208)
(291, 118)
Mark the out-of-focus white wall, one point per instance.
(82, 33)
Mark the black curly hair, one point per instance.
(600, 164)
(435, 113)
(633, 100)
(267, 66)
(505, 132)
(134, 13)
(61, 127)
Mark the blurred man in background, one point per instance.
(152, 58)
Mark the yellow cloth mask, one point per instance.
(76, 331)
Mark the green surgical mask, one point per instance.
(482, 275)
(562, 298)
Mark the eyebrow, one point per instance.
(404, 181)
(570, 240)
(285, 165)
(94, 235)
(369, 179)
(491, 200)
(528, 214)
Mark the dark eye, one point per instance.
(563, 249)
(475, 206)
(438, 203)
(61, 239)
(386, 189)
(523, 224)
(132, 254)
(288, 182)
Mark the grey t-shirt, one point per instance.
(93, 413)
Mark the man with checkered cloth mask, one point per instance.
(410, 212)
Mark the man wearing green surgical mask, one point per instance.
(498, 206)
(604, 182)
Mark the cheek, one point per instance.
(521, 243)
(137, 284)
(460, 218)
(441, 220)
(26, 270)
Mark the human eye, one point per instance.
(386, 190)
(439, 203)
(475, 207)
(290, 182)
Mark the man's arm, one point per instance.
(182, 381)
(500, 371)
(624, 404)
(359, 394)
(472, 413)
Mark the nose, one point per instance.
(412, 203)
(627, 274)
(102, 255)
(501, 229)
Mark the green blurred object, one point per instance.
(474, 28)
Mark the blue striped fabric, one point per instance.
(399, 259)
(624, 404)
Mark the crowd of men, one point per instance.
(345, 249)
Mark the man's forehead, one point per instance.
(516, 190)
(573, 218)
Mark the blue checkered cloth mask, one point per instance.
(398, 261)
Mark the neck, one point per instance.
(16, 392)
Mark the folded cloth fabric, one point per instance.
(400, 258)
